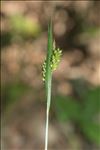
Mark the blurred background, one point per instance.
(75, 107)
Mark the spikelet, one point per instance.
(44, 70)
(55, 59)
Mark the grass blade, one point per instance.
(49, 65)
(48, 79)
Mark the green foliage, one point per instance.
(66, 108)
(12, 92)
(24, 27)
(84, 112)
(5, 39)
(21, 28)
(91, 103)
(91, 31)
(92, 131)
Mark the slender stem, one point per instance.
(48, 79)
(46, 132)
(47, 112)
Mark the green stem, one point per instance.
(46, 132)
(48, 79)
(47, 112)
(53, 58)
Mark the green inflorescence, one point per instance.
(44, 70)
(55, 59)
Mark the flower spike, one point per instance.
(55, 59)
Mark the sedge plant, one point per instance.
(50, 64)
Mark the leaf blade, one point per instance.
(49, 54)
